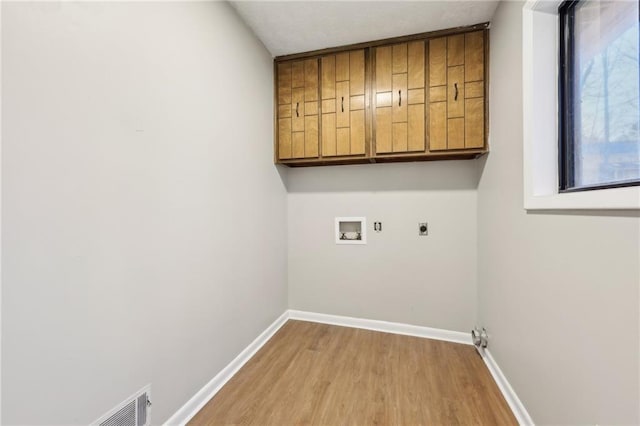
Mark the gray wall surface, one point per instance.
(398, 275)
(558, 291)
(137, 181)
(148, 238)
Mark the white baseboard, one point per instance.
(195, 404)
(384, 326)
(517, 407)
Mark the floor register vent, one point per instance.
(133, 411)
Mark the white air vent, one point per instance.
(133, 411)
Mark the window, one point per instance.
(599, 141)
(541, 122)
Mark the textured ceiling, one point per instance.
(299, 26)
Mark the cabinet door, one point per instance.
(399, 98)
(298, 109)
(456, 92)
(343, 104)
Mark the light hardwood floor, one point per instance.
(320, 374)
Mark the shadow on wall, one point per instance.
(283, 172)
(595, 213)
(417, 176)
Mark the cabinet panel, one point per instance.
(311, 136)
(416, 128)
(284, 83)
(329, 105)
(399, 53)
(297, 107)
(343, 147)
(311, 108)
(383, 99)
(455, 133)
(311, 80)
(344, 73)
(416, 96)
(474, 123)
(297, 145)
(356, 72)
(284, 138)
(438, 62)
(383, 130)
(464, 94)
(342, 66)
(356, 102)
(474, 89)
(415, 62)
(328, 77)
(399, 137)
(474, 56)
(438, 94)
(357, 132)
(342, 104)
(383, 69)
(400, 98)
(455, 50)
(399, 132)
(455, 92)
(284, 110)
(438, 126)
(297, 74)
(328, 135)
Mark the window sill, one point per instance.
(601, 199)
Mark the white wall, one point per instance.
(144, 222)
(398, 275)
(145, 227)
(558, 291)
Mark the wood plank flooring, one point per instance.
(319, 374)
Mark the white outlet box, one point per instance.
(351, 230)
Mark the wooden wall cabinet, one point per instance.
(343, 104)
(298, 109)
(414, 98)
(399, 98)
(456, 92)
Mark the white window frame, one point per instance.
(540, 51)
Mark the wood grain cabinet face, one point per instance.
(399, 98)
(298, 109)
(343, 104)
(456, 92)
(413, 98)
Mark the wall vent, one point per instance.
(133, 411)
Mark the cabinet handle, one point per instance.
(455, 85)
(297, 103)
(399, 98)
(342, 106)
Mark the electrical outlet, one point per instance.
(423, 229)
